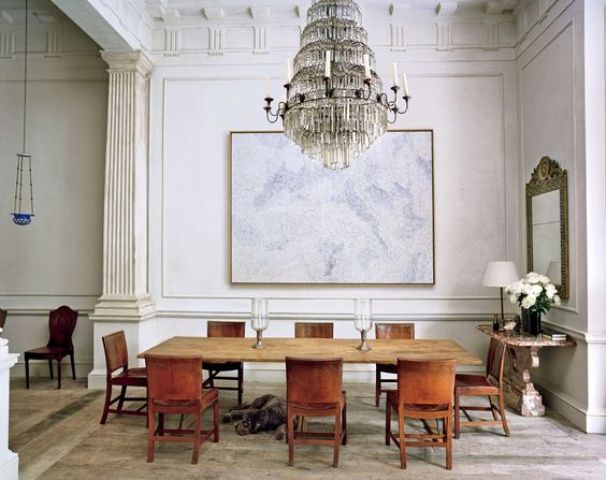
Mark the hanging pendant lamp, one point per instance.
(22, 213)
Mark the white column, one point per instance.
(125, 303)
(9, 461)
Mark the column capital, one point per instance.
(128, 62)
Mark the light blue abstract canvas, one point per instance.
(294, 221)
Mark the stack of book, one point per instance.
(554, 336)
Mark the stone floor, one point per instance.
(57, 436)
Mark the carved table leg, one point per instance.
(520, 393)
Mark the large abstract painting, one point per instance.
(294, 221)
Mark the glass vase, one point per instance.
(531, 322)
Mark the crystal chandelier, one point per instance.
(335, 107)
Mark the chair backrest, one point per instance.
(426, 382)
(173, 378)
(399, 331)
(225, 329)
(116, 351)
(314, 380)
(61, 324)
(2, 317)
(313, 330)
(495, 362)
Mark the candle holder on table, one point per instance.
(363, 321)
(259, 320)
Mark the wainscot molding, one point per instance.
(587, 338)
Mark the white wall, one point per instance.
(57, 259)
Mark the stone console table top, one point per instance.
(520, 341)
(522, 356)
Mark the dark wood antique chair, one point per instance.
(400, 331)
(116, 359)
(2, 317)
(424, 392)
(314, 389)
(174, 386)
(61, 324)
(490, 386)
(215, 370)
(313, 330)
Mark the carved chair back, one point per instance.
(313, 330)
(61, 324)
(225, 329)
(173, 378)
(399, 331)
(315, 381)
(426, 382)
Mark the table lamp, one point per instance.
(500, 274)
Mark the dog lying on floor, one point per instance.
(265, 414)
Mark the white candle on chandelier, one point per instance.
(328, 61)
(288, 70)
(267, 87)
(367, 66)
(405, 84)
(396, 80)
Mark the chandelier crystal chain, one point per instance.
(335, 107)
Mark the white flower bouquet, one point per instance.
(534, 293)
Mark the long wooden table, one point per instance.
(221, 349)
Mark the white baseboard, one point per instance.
(9, 466)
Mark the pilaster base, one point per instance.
(137, 307)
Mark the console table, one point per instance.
(523, 355)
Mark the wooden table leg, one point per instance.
(520, 393)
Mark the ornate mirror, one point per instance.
(547, 223)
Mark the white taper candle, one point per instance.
(405, 84)
(396, 80)
(288, 70)
(328, 62)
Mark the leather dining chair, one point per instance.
(314, 389)
(174, 386)
(424, 392)
(399, 331)
(489, 386)
(61, 325)
(313, 330)
(116, 360)
(215, 370)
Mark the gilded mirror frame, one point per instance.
(547, 177)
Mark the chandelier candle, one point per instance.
(396, 79)
(335, 107)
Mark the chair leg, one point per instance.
(335, 454)
(457, 416)
(151, 428)
(387, 423)
(240, 383)
(196, 448)
(161, 424)
(448, 424)
(401, 437)
(59, 374)
(122, 396)
(377, 386)
(26, 372)
(344, 423)
(502, 413)
(71, 356)
(290, 430)
(108, 397)
(216, 416)
(50, 368)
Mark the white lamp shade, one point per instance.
(500, 274)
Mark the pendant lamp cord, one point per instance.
(25, 76)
